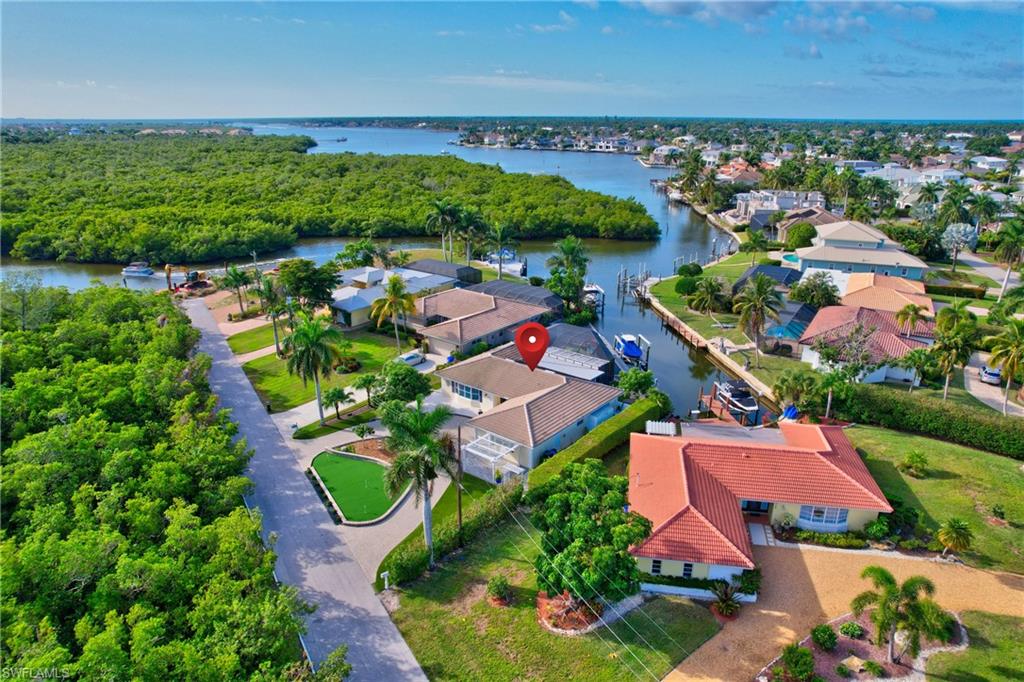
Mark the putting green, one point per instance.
(357, 485)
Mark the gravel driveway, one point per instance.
(805, 587)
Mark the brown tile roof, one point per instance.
(500, 376)
(883, 298)
(691, 489)
(453, 303)
(841, 254)
(472, 315)
(887, 341)
(533, 418)
(863, 280)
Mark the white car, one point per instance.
(412, 358)
(990, 375)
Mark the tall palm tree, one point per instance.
(396, 302)
(443, 218)
(982, 208)
(954, 206)
(708, 297)
(312, 348)
(954, 314)
(499, 237)
(908, 317)
(953, 349)
(472, 227)
(337, 396)
(420, 455)
(366, 382)
(570, 255)
(929, 193)
(902, 606)
(1010, 250)
(272, 299)
(793, 384)
(237, 279)
(1008, 352)
(757, 302)
(954, 534)
(690, 177)
(918, 360)
(756, 243)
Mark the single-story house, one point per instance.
(573, 351)
(456, 319)
(881, 292)
(794, 318)
(362, 287)
(783, 277)
(700, 494)
(522, 414)
(887, 343)
(466, 274)
(522, 293)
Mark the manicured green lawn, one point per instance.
(253, 339)
(456, 634)
(996, 651)
(332, 424)
(357, 485)
(962, 482)
(735, 265)
(665, 292)
(957, 393)
(965, 275)
(986, 302)
(269, 374)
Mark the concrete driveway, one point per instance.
(993, 272)
(989, 394)
(312, 553)
(805, 587)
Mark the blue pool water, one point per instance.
(791, 258)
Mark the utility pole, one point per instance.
(458, 483)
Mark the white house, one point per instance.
(858, 166)
(896, 175)
(362, 287)
(755, 207)
(943, 175)
(988, 163)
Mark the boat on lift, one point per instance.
(633, 349)
(137, 269)
(736, 394)
(593, 294)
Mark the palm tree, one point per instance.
(272, 299)
(366, 382)
(953, 349)
(570, 255)
(908, 317)
(337, 395)
(954, 314)
(757, 302)
(395, 302)
(312, 348)
(1010, 249)
(793, 384)
(954, 534)
(1008, 352)
(237, 279)
(929, 193)
(420, 455)
(982, 208)
(901, 606)
(499, 237)
(918, 360)
(443, 219)
(472, 225)
(709, 295)
(690, 177)
(954, 206)
(756, 243)
(707, 192)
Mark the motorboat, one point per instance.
(633, 349)
(137, 269)
(593, 293)
(736, 394)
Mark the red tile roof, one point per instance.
(887, 341)
(691, 489)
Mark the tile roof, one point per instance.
(500, 376)
(842, 254)
(884, 298)
(813, 215)
(862, 280)
(887, 341)
(472, 315)
(851, 230)
(691, 489)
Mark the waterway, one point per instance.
(681, 370)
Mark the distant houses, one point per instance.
(756, 207)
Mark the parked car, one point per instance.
(412, 358)
(990, 375)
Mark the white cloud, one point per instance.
(737, 11)
(450, 34)
(810, 52)
(608, 30)
(566, 22)
(843, 26)
(90, 83)
(589, 4)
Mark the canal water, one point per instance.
(681, 370)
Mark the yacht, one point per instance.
(736, 394)
(137, 269)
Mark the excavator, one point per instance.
(192, 279)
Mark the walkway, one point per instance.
(803, 588)
(989, 394)
(312, 553)
(993, 272)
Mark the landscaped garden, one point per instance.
(996, 650)
(270, 377)
(983, 489)
(355, 484)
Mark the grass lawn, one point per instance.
(332, 424)
(965, 275)
(702, 324)
(253, 339)
(996, 651)
(957, 393)
(269, 374)
(962, 482)
(734, 266)
(457, 635)
(357, 485)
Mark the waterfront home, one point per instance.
(794, 318)
(738, 172)
(705, 494)
(710, 157)
(576, 352)
(665, 154)
(523, 293)
(887, 341)
(783, 277)
(880, 292)
(756, 207)
(858, 166)
(453, 321)
(361, 287)
(522, 415)
(852, 246)
(465, 274)
(896, 175)
(813, 216)
(943, 175)
(988, 163)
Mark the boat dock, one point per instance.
(711, 403)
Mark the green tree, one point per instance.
(982, 208)
(953, 348)
(956, 238)
(954, 315)
(237, 279)
(635, 382)
(336, 396)
(395, 303)
(1010, 250)
(420, 455)
(472, 227)
(793, 384)
(312, 286)
(399, 381)
(1008, 352)
(954, 534)
(800, 235)
(757, 302)
(568, 268)
(500, 237)
(954, 208)
(270, 294)
(929, 193)
(919, 361)
(905, 606)
(709, 297)
(360, 253)
(335, 668)
(909, 316)
(366, 382)
(816, 290)
(312, 350)
(586, 534)
(443, 219)
(756, 243)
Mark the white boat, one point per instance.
(137, 269)
(593, 293)
(632, 349)
(736, 394)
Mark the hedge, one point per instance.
(409, 561)
(604, 438)
(961, 291)
(916, 413)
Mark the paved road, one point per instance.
(312, 553)
(993, 272)
(989, 394)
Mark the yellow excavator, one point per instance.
(191, 278)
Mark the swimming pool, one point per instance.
(791, 258)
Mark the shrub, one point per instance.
(843, 671)
(749, 582)
(912, 544)
(686, 285)
(877, 529)
(740, 228)
(679, 581)
(915, 463)
(726, 602)
(800, 235)
(769, 261)
(689, 270)
(874, 669)
(824, 636)
(998, 511)
(934, 545)
(581, 318)
(843, 540)
(851, 629)
(798, 662)
(916, 413)
(605, 437)
(499, 588)
(536, 281)
(474, 350)
(959, 291)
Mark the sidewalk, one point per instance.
(989, 394)
(993, 272)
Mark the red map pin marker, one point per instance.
(532, 341)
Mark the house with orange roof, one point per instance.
(702, 494)
(884, 292)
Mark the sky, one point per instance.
(889, 60)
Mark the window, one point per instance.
(831, 516)
(579, 423)
(467, 392)
(687, 570)
(903, 271)
(656, 567)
